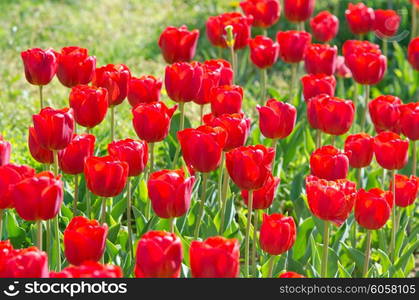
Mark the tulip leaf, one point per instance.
(304, 230)
(113, 232)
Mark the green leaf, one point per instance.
(303, 233)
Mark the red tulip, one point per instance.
(331, 115)
(355, 46)
(159, 255)
(178, 44)
(413, 53)
(290, 275)
(10, 175)
(263, 51)
(71, 158)
(277, 234)
(249, 167)
(298, 11)
(292, 45)
(202, 147)
(316, 84)
(133, 152)
(373, 208)
(225, 68)
(329, 163)
(390, 150)
(410, 120)
(39, 197)
(89, 105)
(226, 99)
(406, 189)
(40, 65)
(415, 3)
(216, 257)
(276, 119)
(359, 150)
(265, 13)
(84, 240)
(54, 127)
(152, 121)
(241, 29)
(105, 176)
(324, 26)
(386, 22)
(75, 66)
(385, 113)
(321, 59)
(39, 153)
(330, 200)
(114, 78)
(183, 81)
(89, 269)
(25, 263)
(210, 79)
(342, 69)
(6, 252)
(237, 127)
(360, 18)
(263, 197)
(5, 150)
(145, 89)
(367, 68)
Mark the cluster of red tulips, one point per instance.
(218, 143)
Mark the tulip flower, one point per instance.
(225, 69)
(324, 26)
(6, 252)
(329, 163)
(263, 197)
(39, 153)
(89, 104)
(265, 13)
(24, 263)
(226, 99)
(356, 46)
(159, 255)
(178, 44)
(5, 150)
(342, 69)
(367, 67)
(263, 51)
(89, 269)
(54, 128)
(216, 257)
(359, 150)
(413, 53)
(316, 84)
(390, 150)
(216, 32)
(320, 59)
(410, 127)
(290, 275)
(84, 240)
(71, 159)
(292, 45)
(145, 89)
(407, 189)
(298, 11)
(10, 175)
(385, 113)
(386, 22)
(75, 66)
(360, 18)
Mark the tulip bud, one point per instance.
(390, 150)
(298, 11)
(342, 69)
(292, 45)
(277, 119)
(329, 163)
(263, 197)
(10, 175)
(373, 208)
(360, 18)
(385, 113)
(145, 89)
(407, 189)
(72, 158)
(386, 22)
(40, 65)
(210, 79)
(226, 99)
(183, 81)
(317, 84)
(5, 150)
(226, 71)
(263, 51)
(324, 26)
(410, 120)
(277, 234)
(39, 153)
(25, 263)
(359, 150)
(134, 153)
(265, 13)
(320, 59)
(413, 53)
(178, 44)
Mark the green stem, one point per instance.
(414, 20)
(247, 238)
(263, 83)
(367, 254)
(255, 239)
(364, 114)
(333, 139)
(273, 145)
(325, 257)
(56, 221)
(112, 123)
(233, 61)
(1, 223)
(150, 170)
(172, 224)
(271, 265)
(226, 180)
(103, 211)
(41, 97)
(89, 202)
(181, 127)
(385, 47)
(359, 177)
(294, 69)
(48, 240)
(393, 219)
(300, 26)
(129, 221)
(384, 179)
(39, 234)
(202, 204)
(76, 194)
(341, 83)
(318, 138)
(201, 114)
(414, 153)
(220, 180)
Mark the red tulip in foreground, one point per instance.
(225, 69)
(290, 275)
(170, 193)
(216, 257)
(183, 81)
(277, 234)
(71, 159)
(385, 113)
(5, 150)
(39, 197)
(324, 26)
(292, 45)
(263, 197)
(298, 11)
(178, 44)
(413, 53)
(10, 175)
(159, 255)
(75, 66)
(276, 119)
(360, 18)
(409, 121)
(40, 65)
(226, 99)
(152, 121)
(39, 153)
(145, 89)
(329, 163)
(320, 59)
(359, 150)
(265, 13)
(317, 84)
(84, 240)
(390, 150)
(407, 189)
(89, 104)
(386, 22)
(22, 263)
(89, 269)
(216, 33)
(133, 152)
(263, 51)
(373, 208)
(210, 79)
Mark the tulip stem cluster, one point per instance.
(247, 237)
(201, 204)
(367, 253)
(325, 256)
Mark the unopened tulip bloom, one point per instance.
(226, 99)
(359, 150)
(75, 66)
(152, 121)
(407, 189)
(409, 121)
(293, 45)
(385, 113)
(25, 263)
(89, 104)
(367, 67)
(320, 59)
(5, 150)
(145, 89)
(178, 44)
(298, 11)
(39, 197)
(210, 79)
(277, 233)
(342, 69)
(6, 252)
(39, 153)
(373, 208)
(317, 84)
(159, 255)
(390, 150)
(183, 81)
(225, 68)
(360, 18)
(329, 163)
(40, 65)
(265, 13)
(386, 22)
(216, 257)
(413, 53)
(330, 200)
(324, 26)
(133, 152)
(10, 175)
(263, 51)
(84, 240)
(263, 197)
(71, 159)
(355, 46)
(89, 269)
(276, 119)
